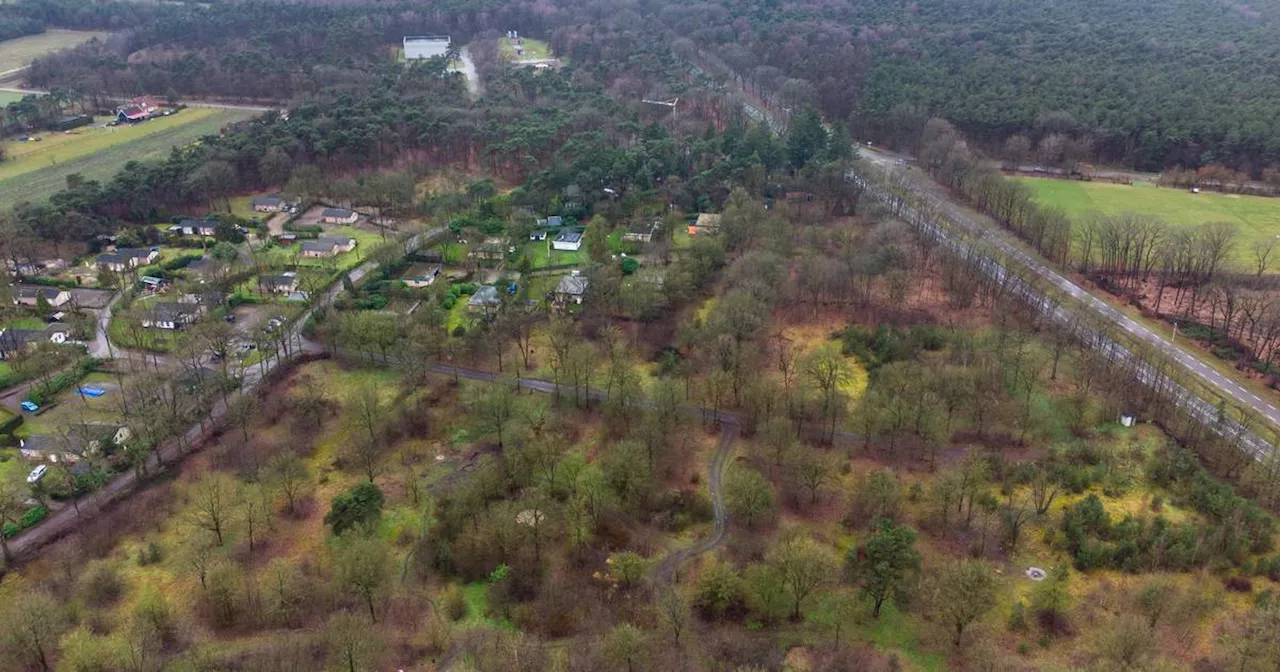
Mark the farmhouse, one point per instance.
(268, 204)
(339, 216)
(640, 231)
(29, 295)
(417, 48)
(571, 289)
(171, 315)
(569, 241)
(421, 275)
(138, 109)
(707, 223)
(15, 340)
(284, 283)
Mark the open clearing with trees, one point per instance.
(33, 171)
(1256, 217)
(19, 52)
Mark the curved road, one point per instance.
(665, 571)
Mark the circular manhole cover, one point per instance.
(1036, 574)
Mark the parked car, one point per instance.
(30, 406)
(37, 474)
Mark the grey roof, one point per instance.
(555, 220)
(266, 200)
(34, 291)
(337, 240)
(16, 339)
(112, 258)
(485, 296)
(172, 311)
(569, 237)
(134, 252)
(318, 245)
(340, 213)
(642, 226)
(573, 285)
(40, 442)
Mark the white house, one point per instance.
(14, 340)
(268, 204)
(421, 276)
(29, 295)
(567, 241)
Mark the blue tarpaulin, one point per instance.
(92, 391)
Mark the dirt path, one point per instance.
(666, 571)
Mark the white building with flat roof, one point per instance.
(425, 46)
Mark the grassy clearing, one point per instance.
(542, 256)
(1257, 217)
(20, 52)
(36, 170)
(7, 97)
(291, 255)
(532, 48)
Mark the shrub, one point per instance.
(1238, 584)
(629, 266)
(101, 584)
(361, 505)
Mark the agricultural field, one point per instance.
(19, 52)
(34, 171)
(1257, 217)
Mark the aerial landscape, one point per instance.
(575, 335)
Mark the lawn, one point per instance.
(19, 52)
(1257, 217)
(543, 256)
(34, 171)
(290, 255)
(532, 49)
(7, 97)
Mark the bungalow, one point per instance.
(29, 295)
(568, 241)
(138, 109)
(284, 283)
(421, 275)
(572, 289)
(152, 283)
(14, 340)
(339, 216)
(552, 222)
(492, 250)
(640, 231)
(538, 236)
(114, 262)
(287, 239)
(267, 204)
(707, 223)
(195, 227)
(171, 315)
(328, 246)
(485, 300)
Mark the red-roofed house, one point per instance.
(131, 114)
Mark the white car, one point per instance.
(37, 474)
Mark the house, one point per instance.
(114, 262)
(37, 447)
(568, 241)
(491, 250)
(640, 231)
(195, 227)
(421, 275)
(485, 300)
(328, 246)
(267, 204)
(571, 289)
(171, 315)
(552, 222)
(29, 295)
(284, 283)
(131, 114)
(422, 47)
(152, 283)
(707, 223)
(14, 340)
(127, 258)
(339, 216)
(287, 239)
(538, 236)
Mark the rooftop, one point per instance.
(572, 284)
(569, 237)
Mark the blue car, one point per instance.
(29, 406)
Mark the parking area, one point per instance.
(250, 318)
(92, 298)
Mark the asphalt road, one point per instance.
(947, 217)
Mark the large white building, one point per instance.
(426, 46)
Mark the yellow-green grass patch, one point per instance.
(19, 52)
(1256, 217)
(33, 171)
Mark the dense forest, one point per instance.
(1149, 85)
